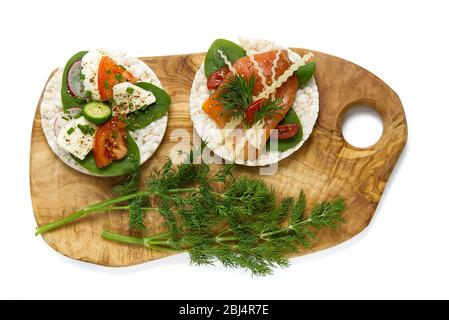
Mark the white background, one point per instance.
(402, 254)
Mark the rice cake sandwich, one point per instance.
(254, 102)
(105, 113)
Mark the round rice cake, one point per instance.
(306, 106)
(147, 139)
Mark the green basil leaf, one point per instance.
(214, 61)
(305, 72)
(143, 117)
(290, 118)
(68, 101)
(117, 168)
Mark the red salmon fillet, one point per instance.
(286, 92)
(244, 67)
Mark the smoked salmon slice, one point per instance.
(245, 67)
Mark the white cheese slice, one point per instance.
(129, 97)
(90, 64)
(73, 140)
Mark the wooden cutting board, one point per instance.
(326, 166)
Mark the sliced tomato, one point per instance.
(250, 112)
(287, 131)
(110, 142)
(216, 78)
(109, 74)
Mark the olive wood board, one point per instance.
(326, 166)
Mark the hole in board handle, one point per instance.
(362, 126)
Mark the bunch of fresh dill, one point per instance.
(236, 95)
(244, 226)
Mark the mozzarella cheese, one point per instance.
(129, 97)
(90, 64)
(148, 139)
(73, 140)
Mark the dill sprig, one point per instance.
(236, 94)
(269, 108)
(244, 226)
(135, 211)
(131, 184)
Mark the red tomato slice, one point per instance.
(252, 109)
(109, 74)
(110, 142)
(216, 78)
(287, 131)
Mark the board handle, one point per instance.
(352, 85)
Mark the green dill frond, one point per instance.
(182, 175)
(195, 153)
(327, 214)
(131, 184)
(269, 108)
(192, 214)
(136, 214)
(280, 212)
(242, 227)
(224, 173)
(236, 94)
(187, 174)
(168, 215)
(284, 243)
(303, 235)
(253, 195)
(198, 256)
(273, 253)
(167, 167)
(298, 209)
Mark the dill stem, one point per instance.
(127, 207)
(284, 230)
(158, 236)
(218, 194)
(121, 238)
(99, 206)
(273, 233)
(103, 206)
(164, 249)
(222, 233)
(224, 239)
(151, 242)
(183, 190)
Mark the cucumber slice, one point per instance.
(97, 112)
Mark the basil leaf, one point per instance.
(290, 118)
(305, 72)
(117, 168)
(68, 101)
(143, 117)
(214, 61)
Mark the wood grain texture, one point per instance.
(326, 166)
